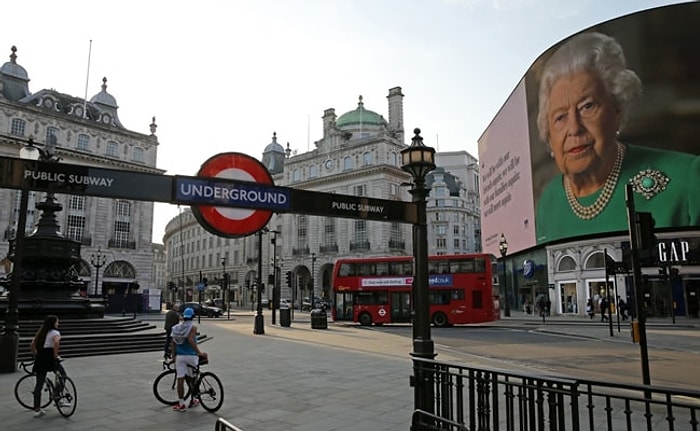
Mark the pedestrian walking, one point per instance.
(622, 307)
(172, 318)
(604, 308)
(589, 308)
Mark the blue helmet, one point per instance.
(188, 313)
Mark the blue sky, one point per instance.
(223, 75)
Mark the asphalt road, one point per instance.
(579, 350)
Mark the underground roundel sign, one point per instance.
(233, 222)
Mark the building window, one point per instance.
(393, 159)
(367, 158)
(441, 229)
(393, 190)
(360, 231)
(313, 171)
(83, 142)
(302, 228)
(359, 190)
(17, 127)
(329, 233)
(347, 163)
(122, 223)
(138, 155)
(456, 243)
(76, 203)
(441, 243)
(455, 230)
(51, 131)
(76, 227)
(112, 148)
(296, 175)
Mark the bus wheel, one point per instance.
(365, 319)
(440, 320)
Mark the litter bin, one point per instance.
(285, 317)
(319, 319)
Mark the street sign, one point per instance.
(235, 193)
(201, 286)
(244, 219)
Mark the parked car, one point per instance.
(306, 303)
(203, 310)
(216, 302)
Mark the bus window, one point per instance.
(400, 268)
(371, 298)
(382, 268)
(457, 294)
(440, 297)
(346, 270)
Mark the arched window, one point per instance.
(296, 175)
(111, 149)
(138, 154)
(313, 171)
(567, 263)
(83, 142)
(347, 163)
(595, 261)
(17, 127)
(367, 158)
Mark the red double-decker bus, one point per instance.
(377, 290)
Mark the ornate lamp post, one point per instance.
(98, 261)
(10, 339)
(259, 319)
(418, 160)
(503, 247)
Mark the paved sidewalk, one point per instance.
(286, 379)
(342, 378)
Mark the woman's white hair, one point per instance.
(589, 52)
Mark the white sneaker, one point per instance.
(39, 413)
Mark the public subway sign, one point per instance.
(198, 191)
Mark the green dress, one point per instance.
(678, 205)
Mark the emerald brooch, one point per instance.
(649, 182)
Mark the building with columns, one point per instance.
(114, 232)
(359, 154)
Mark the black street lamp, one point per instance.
(313, 280)
(275, 290)
(259, 319)
(10, 339)
(418, 160)
(224, 283)
(503, 247)
(98, 261)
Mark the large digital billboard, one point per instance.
(617, 104)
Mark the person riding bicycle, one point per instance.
(44, 347)
(186, 354)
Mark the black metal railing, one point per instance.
(401, 245)
(359, 245)
(328, 248)
(467, 398)
(118, 243)
(224, 425)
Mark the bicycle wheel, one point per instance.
(165, 388)
(67, 400)
(210, 391)
(24, 392)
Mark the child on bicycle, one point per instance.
(44, 347)
(186, 354)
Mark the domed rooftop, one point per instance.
(360, 116)
(274, 147)
(104, 98)
(11, 68)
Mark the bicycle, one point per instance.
(61, 390)
(203, 385)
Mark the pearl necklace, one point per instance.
(592, 211)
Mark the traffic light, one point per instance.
(289, 278)
(646, 240)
